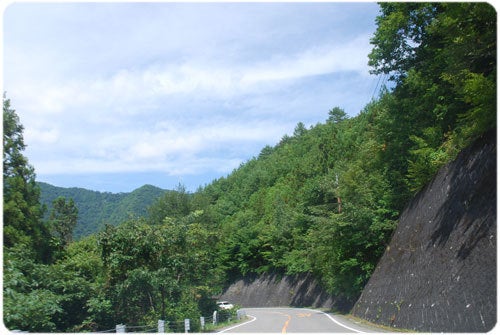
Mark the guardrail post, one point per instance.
(120, 328)
(240, 314)
(202, 322)
(161, 326)
(214, 319)
(186, 325)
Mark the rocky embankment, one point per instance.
(275, 290)
(439, 272)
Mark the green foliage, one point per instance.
(323, 201)
(326, 199)
(175, 204)
(165, 270)
(21, 208)
(95, 209)
(27, 306)
(425, 159)
(336, 115)
(319, 202)
(50, 297)
(400, 33)
(443, 59)
(63, 219)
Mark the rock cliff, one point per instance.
(439, 272)
(273, 290)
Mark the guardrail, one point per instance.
(181, 326)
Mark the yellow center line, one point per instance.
(283, 331)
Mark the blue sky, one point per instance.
(114, 96)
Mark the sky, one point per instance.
(116, 95)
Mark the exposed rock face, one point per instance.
(273, 290)
(439, 272)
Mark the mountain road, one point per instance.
(295, 320)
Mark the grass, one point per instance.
(212, 328)
(364, 322)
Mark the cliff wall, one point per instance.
(275, 290)
(439, 272)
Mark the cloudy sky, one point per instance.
(114, 96)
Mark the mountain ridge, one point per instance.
(98, 208)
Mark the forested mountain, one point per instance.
(98, 208)
(323, 201)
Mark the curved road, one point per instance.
(293, 320)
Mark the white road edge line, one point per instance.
(337, 322)
(241, 324)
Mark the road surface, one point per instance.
(294, 320)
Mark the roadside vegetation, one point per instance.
(324, 200)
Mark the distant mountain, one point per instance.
(97, 208)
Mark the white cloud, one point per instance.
(177, 166)
(45, 136)
(313, 62)
(173, 151)
(110, 124)
(174, 88)
(128, 86)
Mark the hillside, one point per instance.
(439, 272)
(97, 208)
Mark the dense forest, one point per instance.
(97, 208)
(324, 200)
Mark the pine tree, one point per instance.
(22, 212)
(63, 219)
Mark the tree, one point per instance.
(63, 219)
(174, 203)
(58, 297)
(300, 129)
(400, 35)
(163, 270)
(22, 211)
(442, 57)
(336, 115)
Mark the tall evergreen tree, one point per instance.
(22, 211)
(63, 219)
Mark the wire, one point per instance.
(376, 86)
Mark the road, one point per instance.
(294, 320)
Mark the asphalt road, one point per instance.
(294, 320)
